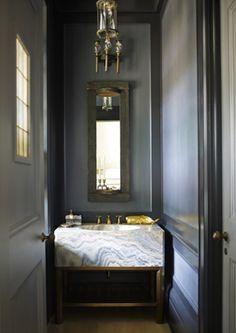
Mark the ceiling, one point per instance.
(125, 6)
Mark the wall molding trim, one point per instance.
(210, 197)
(24, 223)
(186, 252)
(183, 232)
(181, 317)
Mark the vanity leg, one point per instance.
(65, 284)
(160, 295)
(59, 296)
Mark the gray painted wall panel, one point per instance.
(179, 105)
(187, 280)
(180, 155)
(79, 69)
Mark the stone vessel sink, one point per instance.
(109, 227)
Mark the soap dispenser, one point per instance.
(70, 218)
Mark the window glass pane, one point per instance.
(25, 91)
(22, 100)
(25, 144)
(20, 114)
(25, 117)
(20, 150)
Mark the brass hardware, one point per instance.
(118, 63)
(108, 219)
(118, 219)
(218, 236)
(108, 35)
(160, 295)
(97, 48)
(49, 237)
(106, 49)
(99, 219)
(140, 219)
(118, 52)
(96, 63)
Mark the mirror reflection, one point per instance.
(108, 166)
(108, 141)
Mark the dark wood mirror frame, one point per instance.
(93, 89)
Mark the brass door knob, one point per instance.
(219, 236)
(49, 237)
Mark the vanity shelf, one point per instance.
(126, 287)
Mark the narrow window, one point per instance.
(22, 101)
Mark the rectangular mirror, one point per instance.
(108, 141)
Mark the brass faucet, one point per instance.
(99, 219)
(108, 219)
(118, 221)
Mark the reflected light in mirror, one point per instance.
(107, 103)
(108, 155)
(108, 141)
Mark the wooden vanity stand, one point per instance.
(109, 266)
(157, 287)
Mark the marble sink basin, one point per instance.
(109, 227)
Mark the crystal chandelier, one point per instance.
(105, 50)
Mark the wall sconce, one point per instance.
(107, 31)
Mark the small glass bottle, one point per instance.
(70, 218)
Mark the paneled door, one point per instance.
(22, 216)
(228, 55)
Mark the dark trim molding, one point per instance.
(88, 9)
(55, 144)
(182, 231)
(186, 252)
(182, 318)
(210, 200)
(180, 311)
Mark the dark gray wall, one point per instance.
(179, 112)
(180, 157)
(79, 68)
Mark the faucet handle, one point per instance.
(99, 219)
(109, 219)
(118, 221)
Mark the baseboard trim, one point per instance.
(181, 316)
